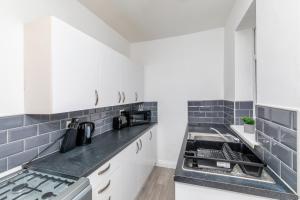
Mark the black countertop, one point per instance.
(82, 161)
(276, 191)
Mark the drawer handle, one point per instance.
(109, 198)
(120, 97)
(141, 144)
(105, 188)
(97, 97)
(124, 97)
(138, 147)
(105, 170)
(150, 135)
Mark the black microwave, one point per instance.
(136, 118)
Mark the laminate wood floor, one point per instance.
(159, 186)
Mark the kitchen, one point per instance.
(149, 99)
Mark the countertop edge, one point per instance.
(36, 165)
(113, 154)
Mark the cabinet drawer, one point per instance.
(103, 191)
(102, 173)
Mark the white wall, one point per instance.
(244, 65)
(13, 14)
(179, 69)
(278, 53)
(238, 12)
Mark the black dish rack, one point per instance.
(223, 156)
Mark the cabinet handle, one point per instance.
(120, 97)
(136, 96)
(141, 144)
(105, 188)
(124, 97)
(105, 170)
(109, 198)
(150, 135)
(97, 97)
(138, 148)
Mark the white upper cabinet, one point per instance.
(67, 70)
(109, 84)
(61, 68)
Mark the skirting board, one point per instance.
(166, 164)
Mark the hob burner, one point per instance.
(48, 195)
(20, 188)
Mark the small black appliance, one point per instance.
(70, 137)
(136, 118)
(120, 122)
(84, 133)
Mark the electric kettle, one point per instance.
(84, 133)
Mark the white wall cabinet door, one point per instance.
(61, 67)
(137, 83)
(75, 67)
(110, 81)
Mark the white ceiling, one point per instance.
(140, 20)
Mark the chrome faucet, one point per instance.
(225, 137)
(218, 132)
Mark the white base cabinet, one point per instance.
(124, 175)
(193, 192)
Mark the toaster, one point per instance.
(120, 122)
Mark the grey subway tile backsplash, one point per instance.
(49, 127)
(278, 126)
(272, 161)
(288, 137)
(21, 133)
(263, 112)
(281, 152)
(24, 136)
(259, 124)
(263, 140)
(37, 141)
(35, 119)
(272, 130)
(59, 116)
(47, 149)
(295, 161)
(153, 106)
(3, 165)
(289, 176)
(11, 148)
(11, 122)
(75, 114)
(3, 137)
(208, 111)
(282, 117)
(18, 159)
(295, 120)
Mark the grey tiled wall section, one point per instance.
(206, 111)
(153, 107)
(242, 109)
(228, 112)
(22, 137)
(219, 111)
(276, 132)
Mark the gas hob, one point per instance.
(33, 185)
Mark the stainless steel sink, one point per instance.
(212, 137)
